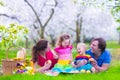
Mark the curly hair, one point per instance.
(61, 39)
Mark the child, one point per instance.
(63, 50)
(82, 60)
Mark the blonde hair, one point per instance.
(61, 39)
(83, 45)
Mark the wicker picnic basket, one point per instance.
(9, 65)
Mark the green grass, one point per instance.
(12, 53)
(113, 44)
(111, 74)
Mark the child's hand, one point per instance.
(72, 63)
(55, 56)
(81, 62)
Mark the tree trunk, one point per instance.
(42, 32)
(52, 40)
(77, 32)
(78, 29)
(119, 39)
(42, 26)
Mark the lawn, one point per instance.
(112, 73)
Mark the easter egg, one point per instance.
(88, 71)
(82, 71)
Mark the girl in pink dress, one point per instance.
(64, 51)
(43, 56)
